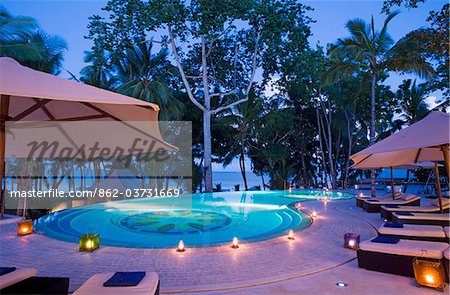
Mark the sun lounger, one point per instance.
(442, 219)
(433, 233)
(94, 285)
(39, 285)
(15, 276)
(373, 206)
(384, 197)
(387, 210)
(397, 258)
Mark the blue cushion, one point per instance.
(5, 270)
(385, 240)
(393, 224)
(125, 279)
(391, 206)
(405, 213)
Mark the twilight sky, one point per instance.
(69, 18)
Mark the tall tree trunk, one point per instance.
(372, 128)
(206, 122)
(319, 126)
(302, 159)
(242, 167)
(207, 151)
(349, 152)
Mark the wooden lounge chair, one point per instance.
(16, 276)
(442, 219)
(373, 206)
(432, 233)
(387, 210)
(383, 196)
(397, 258)
(94, 285)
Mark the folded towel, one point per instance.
(5, 270)
(391, 206)
(125, 279)
(385, 240)
(405, 213)
(393, 224)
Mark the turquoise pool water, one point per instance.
(197, 219)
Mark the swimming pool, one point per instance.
(197, 219)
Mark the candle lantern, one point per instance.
(181, 247)
(429, 273)
(351, 241)
(291, 235)
(24, 227)
(235, 244)
(89, 242)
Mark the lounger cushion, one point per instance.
(412, 248)
(125, 279)
(424, 216)
(447, 253)
(403, 200)
(385, 196)
(394, 225)
(435, 202)
(412, 208)
(94, 285)
(18, 275)
(385, 240)
(408, 197)
(409, 230)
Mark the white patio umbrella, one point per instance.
(426, 140)
(30, 95)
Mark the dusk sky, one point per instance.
(69, 18)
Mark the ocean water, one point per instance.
(230, 179)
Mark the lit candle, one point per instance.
(314, 214)
(181, 246)
(351, 243)
(429, 279)
(235, 243)
(291, 235)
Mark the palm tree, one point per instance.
(50, 49)
(242, 121)
(13, 29)
(21, 39)
(375, 52)
(96, 73)
(145, 75)
(412, 101)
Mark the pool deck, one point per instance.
(314, 262)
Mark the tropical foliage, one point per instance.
(254, 88)
(22, 39)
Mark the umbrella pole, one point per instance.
(438, 184)
(4, 107)
(445, 151)
(392, 183)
